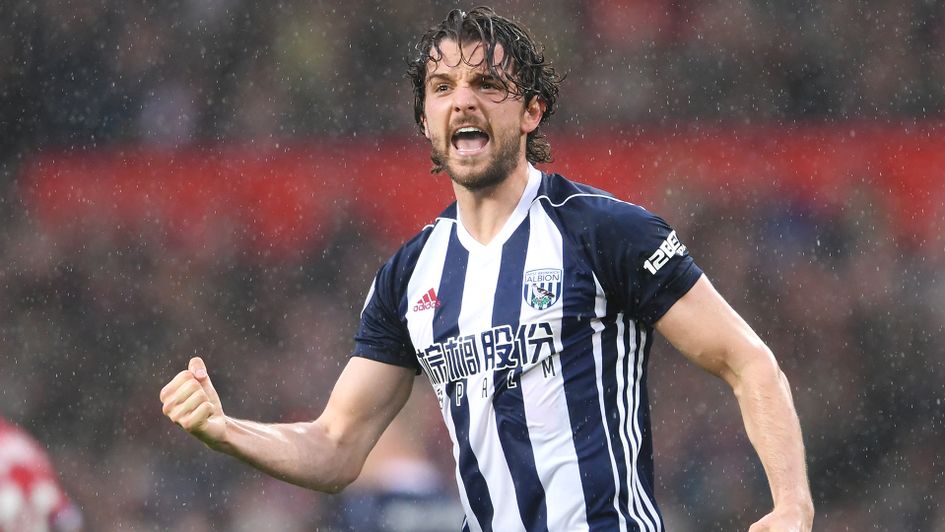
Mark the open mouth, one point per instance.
(468, 140)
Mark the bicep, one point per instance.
(365, 399)
(708, 331)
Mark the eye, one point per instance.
(441, 87)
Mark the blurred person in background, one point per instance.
(541, 379)
(31, 499)
(400, 488)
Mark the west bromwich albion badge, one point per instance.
(541, 288)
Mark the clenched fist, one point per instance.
(191, 401)
(788, 518)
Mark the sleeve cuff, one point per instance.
(671, 293)
(365, 351)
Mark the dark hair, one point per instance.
(523, 69)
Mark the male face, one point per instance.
(476, 128)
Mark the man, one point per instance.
(530, 305)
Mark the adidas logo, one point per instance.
(427, 302)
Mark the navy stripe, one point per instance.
(508, 402)
(580, 389)
(450, 291)
(445, 326)
(579, 381)
(611, 396)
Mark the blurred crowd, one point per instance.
(856, 318)
(91, 329)
(85, 72)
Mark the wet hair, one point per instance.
(523, 69)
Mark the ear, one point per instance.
(531, 117)
(423, 125)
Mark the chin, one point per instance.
(481, 171)
(477, 179)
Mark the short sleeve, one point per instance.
(382, 334)
(644, 262)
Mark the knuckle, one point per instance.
(168, 390)
(197, 397)
(194, 386)
(193, 422)
(185, 391)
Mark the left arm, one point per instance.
(710, 333)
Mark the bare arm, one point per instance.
(710, 333)
(326, 454)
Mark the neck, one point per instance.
(484, 211)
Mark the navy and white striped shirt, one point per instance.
(536, 345)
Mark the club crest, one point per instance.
(541, 288)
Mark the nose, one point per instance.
(464, 99)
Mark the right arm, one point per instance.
(326, 454)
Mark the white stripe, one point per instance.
(635, 427)
(623, 389)
(600, 310)
(546, 407)
(438, 219)
(582, 195)
(482, 272)
(370, 294)
(484, 443)
(427, 274)
(638, 495)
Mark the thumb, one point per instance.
(199, 370)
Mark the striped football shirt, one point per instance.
(536, 345)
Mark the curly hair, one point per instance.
(523, 69)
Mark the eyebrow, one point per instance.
(438, 77)
(478, 76)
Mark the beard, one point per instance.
(500, 166)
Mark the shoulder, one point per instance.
(399, 266)
(588, 209)
(558, 190)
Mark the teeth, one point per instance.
(469, 130)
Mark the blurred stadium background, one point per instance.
(223, 177)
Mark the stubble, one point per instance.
(498, 170)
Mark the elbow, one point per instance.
(334, 489)
(332, 483)
(338, 459)
(756, 364)
(344, 478)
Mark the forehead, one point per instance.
(452, 59)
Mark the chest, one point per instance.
(498, 303)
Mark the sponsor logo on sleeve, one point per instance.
(670, 247)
